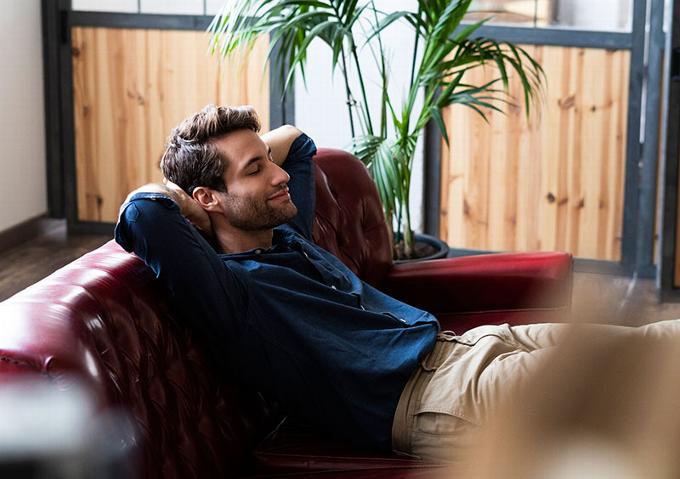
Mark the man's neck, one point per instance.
(236, 241)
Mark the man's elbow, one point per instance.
(291, 131)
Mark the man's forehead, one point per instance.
(240, 146)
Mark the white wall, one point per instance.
(23, 190)
(320, 108)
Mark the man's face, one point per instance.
(257, 193)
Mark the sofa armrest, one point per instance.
(489, 282)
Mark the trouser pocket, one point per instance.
(443, 436)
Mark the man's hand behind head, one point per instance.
(189, 207)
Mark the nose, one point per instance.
(279, 176)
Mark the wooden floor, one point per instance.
(23, 265)
(596, 298)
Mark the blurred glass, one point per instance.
(59, 431)
(600, 15)
(118, 6)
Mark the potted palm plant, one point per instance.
(444, 49)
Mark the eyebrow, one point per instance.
(250, 162)
(255, 159)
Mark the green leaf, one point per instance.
(437, 116)
(469, 30)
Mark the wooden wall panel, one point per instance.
(130, 88)
(554, 182)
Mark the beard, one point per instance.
(252, 214)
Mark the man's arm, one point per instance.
(207, 294)
(280, 141)
(188, 207)
(293, 151)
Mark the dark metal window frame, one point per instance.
(58, 20)
(670, 155)
(641, 160)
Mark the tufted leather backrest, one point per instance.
(350, 222)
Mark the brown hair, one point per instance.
(191, 159)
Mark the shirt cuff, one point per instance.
(154, 196)
(302, 146)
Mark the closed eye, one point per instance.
(255, 171)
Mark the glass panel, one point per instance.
(213, 7)
(122, 6)
(173, 7)
(600, 15)
(522, 12)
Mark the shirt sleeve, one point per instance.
(298, 164)
(208, 295)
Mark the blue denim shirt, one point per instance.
(291, 321)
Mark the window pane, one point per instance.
(603, 15)
(600, 15)
(123, 6)
(173, 7)
(213, 7)
(523, 12)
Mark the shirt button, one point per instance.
(402, 320)
(333, 286)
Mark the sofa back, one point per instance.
(350, 222)
(104, 320)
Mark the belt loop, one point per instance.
(446, 335)
(433, 360)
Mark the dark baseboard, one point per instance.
(28, 230)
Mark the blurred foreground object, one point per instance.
(601, 406)
(48, 432)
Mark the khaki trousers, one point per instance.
(466, 377)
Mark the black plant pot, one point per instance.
(437, 248)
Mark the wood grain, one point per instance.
(553, 182)
(130, 88)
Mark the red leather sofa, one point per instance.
(103, 319)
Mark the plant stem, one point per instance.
(345, 72)
(408, 232)
(383, 76)
(348, 92)
(363, 89)
(415, 49)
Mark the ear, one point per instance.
(206, 199)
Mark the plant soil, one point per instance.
(420, 250)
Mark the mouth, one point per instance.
(279, 195)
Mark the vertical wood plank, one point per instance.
(131, 87)
(553, 182)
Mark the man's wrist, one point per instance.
(280, 140)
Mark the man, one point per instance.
(291, 320)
